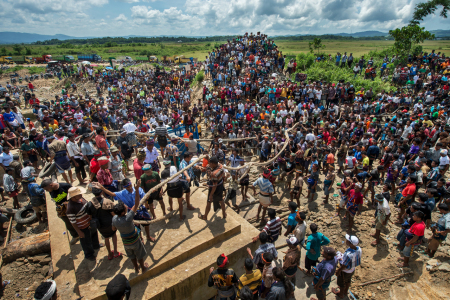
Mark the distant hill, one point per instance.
(363, 34)
(7, 37)
(20, 37)
(441, 33)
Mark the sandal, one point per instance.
(118, 255)
(110, 257)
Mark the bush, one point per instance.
(198, 78)
(329, 72)
(67, 85)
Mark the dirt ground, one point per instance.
(377, 262)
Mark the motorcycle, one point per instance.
(26, 78)
(20, 79)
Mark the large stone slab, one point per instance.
(176, 242)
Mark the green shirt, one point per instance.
(150, 181)
(28, 147)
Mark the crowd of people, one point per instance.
(390, 148)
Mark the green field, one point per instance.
(358, 48)
(200, 49)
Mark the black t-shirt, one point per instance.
(82, 130)
(165, 173)
(290, 165)
(60, 195)
(104, 216)
(124, 147)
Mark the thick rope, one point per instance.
(147, 195)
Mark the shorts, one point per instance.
(264, 200)
(313, 190)
(341, 162)
(156, 195)
(14, 193)
(434, 244)
(162, 142)
(309, 263)
(326, 190)
(174, 190)
(379, 225)
(186, 186)
(245, 181)
(136, 251)
(345, 278)
(218, 193)
(40, 209)
(409, 250)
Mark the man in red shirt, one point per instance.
(30, 86)
(354, 205)
(414, 237)
(34, 100)
(100, 141)
(407, 195)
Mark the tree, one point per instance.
(3, 51)
(424, 9)
(27, 51)
(17, 48)
(408, 36)
(316, 44)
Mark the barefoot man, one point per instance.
(215, 173)
(123, 222)
(265, 193)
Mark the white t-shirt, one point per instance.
(78, 117)
(129, 127)
(310, 137)
(443, 161)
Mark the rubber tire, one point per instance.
(47, 170)
(31, 219)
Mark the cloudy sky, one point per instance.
(207, 17)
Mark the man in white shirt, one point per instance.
(6, 158)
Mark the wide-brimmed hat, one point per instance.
(114, 149)
(75, 191)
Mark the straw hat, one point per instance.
(75, 191)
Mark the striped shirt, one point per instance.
(76, 212)
(264, 185)
(273, 227)
(351, 259)
(253, 281)
(184, 164)
(161, 130)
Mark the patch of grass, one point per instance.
(198, 78)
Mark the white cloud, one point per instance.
(207, 17)
(121, 17)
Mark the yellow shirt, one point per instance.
(284, 92)
(366, 161)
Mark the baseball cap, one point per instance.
(352, 239)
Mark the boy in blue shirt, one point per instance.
(291, 218)
(313, 244)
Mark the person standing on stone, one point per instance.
(173, 187)
(123, 222)
(348, 263)
(58, 193)
(151, 155)
(58, 153)
(127, 196)
(265, 193)
(81, 222)
(215, 173)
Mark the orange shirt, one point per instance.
(330, 158)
